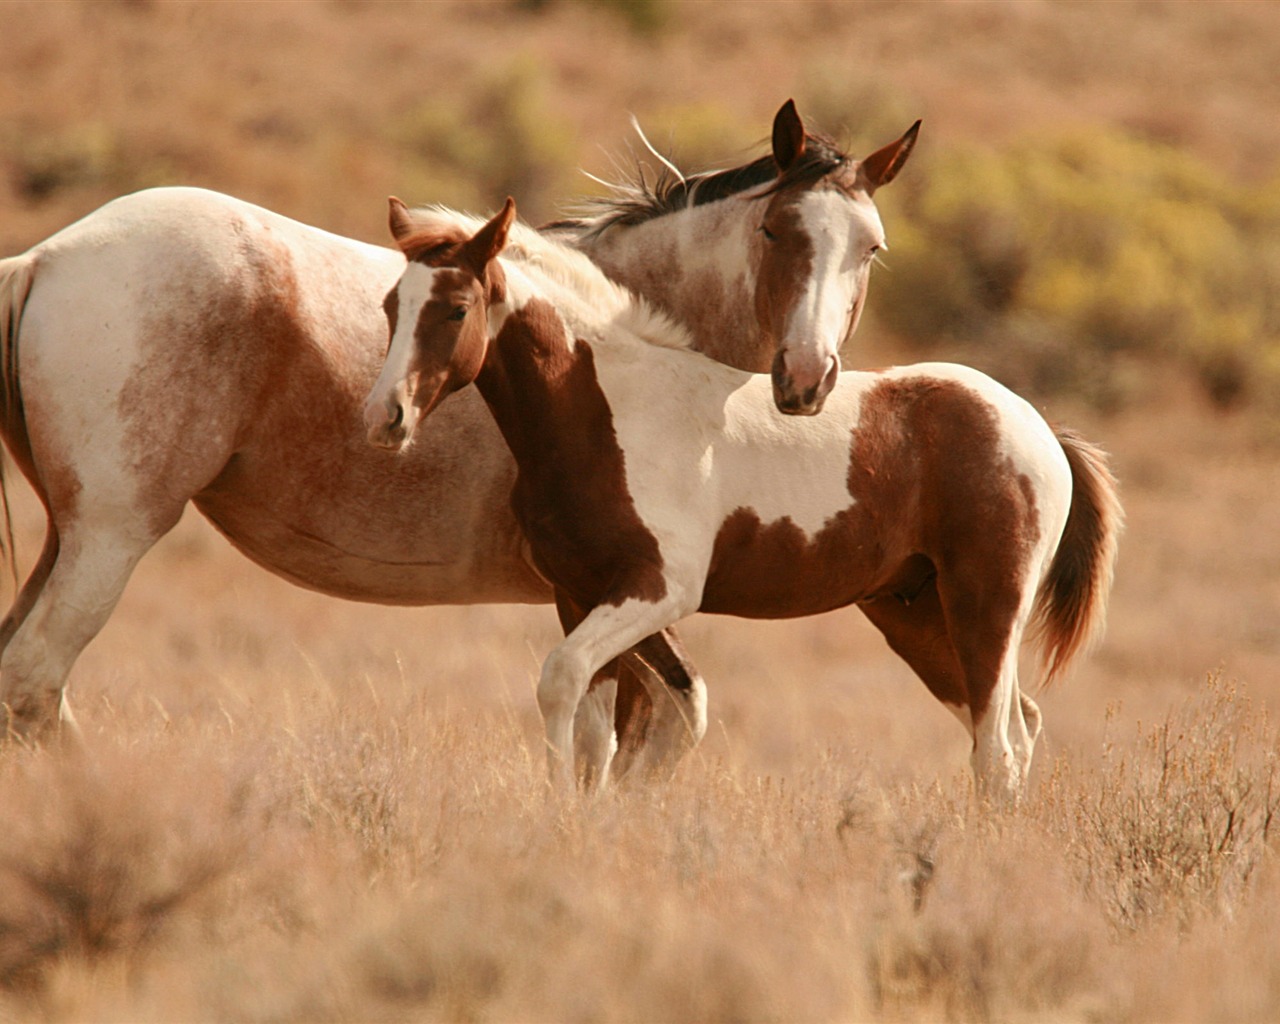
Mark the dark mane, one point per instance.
(635, 202)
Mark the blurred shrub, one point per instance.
(84, 155)
(1177, 824)
(861, 113)
(701, 136)
(645, 18)
(474, 148)
(1059, 263)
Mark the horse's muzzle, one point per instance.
(797, 395)
(385, 424)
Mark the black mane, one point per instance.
(636, 202)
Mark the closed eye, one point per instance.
(457, 313)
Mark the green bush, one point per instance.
(1060, 261)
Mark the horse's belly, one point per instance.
(431, 525)
(411, 572)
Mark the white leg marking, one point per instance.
(594, 742)
(1002, 743)
(604, 634)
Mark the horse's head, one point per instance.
(765, 263)
(817, 237)
(438, 319)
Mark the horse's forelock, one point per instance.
(431, 242)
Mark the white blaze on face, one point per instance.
(844, 233)
(391, 399)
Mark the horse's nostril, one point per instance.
(397, 419)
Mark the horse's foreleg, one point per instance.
(601, 636)
(594, 739)
(677, 707)
(633, 714)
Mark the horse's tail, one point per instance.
(1071, 604)
(16, 276)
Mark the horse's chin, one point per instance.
(801, 410)
(390, 440)
(393, 435)
(793, 398)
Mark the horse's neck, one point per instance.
(541, 388)
(696, 266)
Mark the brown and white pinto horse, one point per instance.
(180, 346)
(653, 483)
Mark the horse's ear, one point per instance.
(882, 166)
(492, 238)
(399, 220)
(788, 136)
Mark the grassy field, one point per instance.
(292, 807)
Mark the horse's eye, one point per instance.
(768, 234)
(457, 313)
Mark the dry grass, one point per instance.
(296, 808)
(360, 857)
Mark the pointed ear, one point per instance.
(788, 136)
(882, 166)
(399, 220)
(490, 239)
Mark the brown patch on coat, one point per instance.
(786, 264)
(240, 333)
(571, 495)
(933, 544)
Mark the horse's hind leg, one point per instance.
(30, 590)
(981, 691)
(916, 630)
(86, 572)
(987, 633)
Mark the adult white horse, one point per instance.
(182, 346)
(653, 483)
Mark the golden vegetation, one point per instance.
(384, 859)
(297, 808)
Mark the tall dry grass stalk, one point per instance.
(361, 857)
